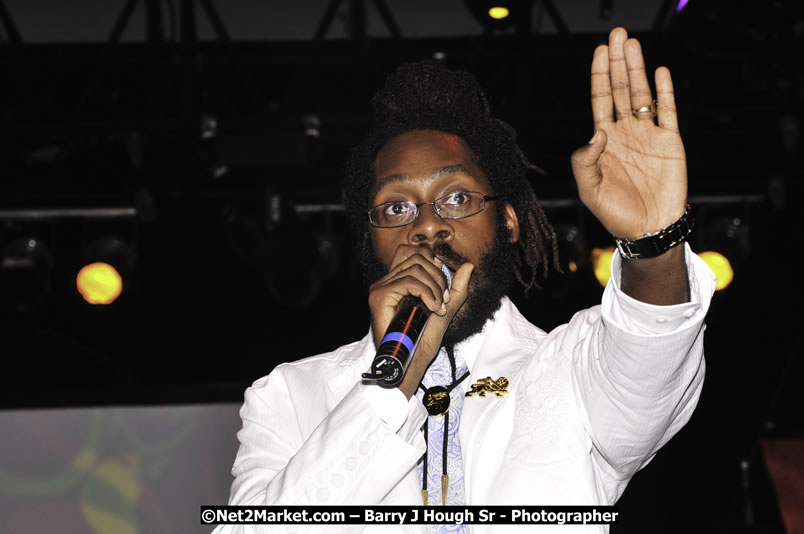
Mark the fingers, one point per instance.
(408, 255)
(641, 95)
(459, 293)
(620, 86)
(666, 99)
(602, 106)
(619, 80)
(460, 285)
(415, 271)
(418, 254)
(434, 329)
(586, 165)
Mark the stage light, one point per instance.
(25, 275)
(99, 283)
(721, 266)
(681, 5)
(601, 262)
(498, 12)
(107, 261)
(499, 15)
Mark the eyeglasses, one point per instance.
(457, 205)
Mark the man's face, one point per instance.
(421, 166)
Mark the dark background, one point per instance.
(226, 142)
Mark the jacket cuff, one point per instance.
(403, 416)
(649, 319)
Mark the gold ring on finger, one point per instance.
(646, 109)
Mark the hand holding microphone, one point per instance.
(415, 290)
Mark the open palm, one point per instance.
(633, 174)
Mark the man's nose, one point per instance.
(429, 227)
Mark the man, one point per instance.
(560, 418)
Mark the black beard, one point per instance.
(490, 282)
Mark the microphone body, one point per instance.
(401, 339)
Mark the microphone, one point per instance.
(401, 339)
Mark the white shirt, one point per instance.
(589, 404)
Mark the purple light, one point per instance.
(681, 5)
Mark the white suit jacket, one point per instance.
(589, 404)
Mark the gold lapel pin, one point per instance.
(488, 385)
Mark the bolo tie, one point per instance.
(436, 401)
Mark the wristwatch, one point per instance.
(657, 244)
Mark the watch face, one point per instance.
(436, 400)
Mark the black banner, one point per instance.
(409, 515)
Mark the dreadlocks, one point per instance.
(428, 96)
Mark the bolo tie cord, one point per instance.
(444, 476)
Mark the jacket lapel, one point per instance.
(502, 354)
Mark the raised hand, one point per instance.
(633, 174)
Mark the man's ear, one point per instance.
(512, 223)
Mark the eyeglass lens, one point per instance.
(452, 206)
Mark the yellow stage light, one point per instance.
(99, 283)
(601, 261)
(721, 266)
(498, 12)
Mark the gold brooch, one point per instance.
(487, 385)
